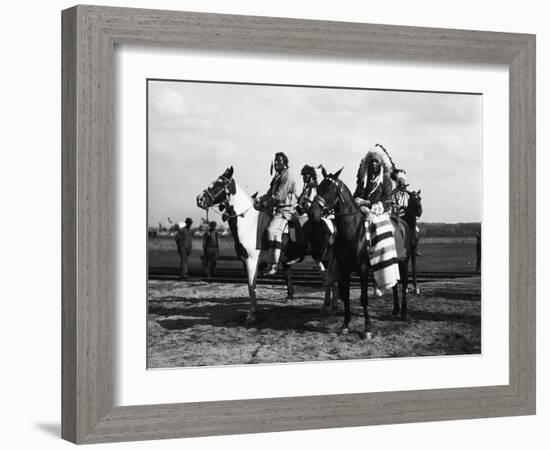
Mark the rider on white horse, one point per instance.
(280, 200)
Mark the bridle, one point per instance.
(225, 201)
(417, 202)
(413, 206)
(224, 190)
(327, 207)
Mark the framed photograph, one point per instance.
(268, 222)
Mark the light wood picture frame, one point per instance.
(89, 37)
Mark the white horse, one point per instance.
(243, 219)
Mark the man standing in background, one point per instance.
(184, 241)
(210, 249)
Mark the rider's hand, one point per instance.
(377, 208)
(365, 210)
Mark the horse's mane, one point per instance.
(239, 188)
(346, 189)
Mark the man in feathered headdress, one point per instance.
(373, 193)
(281, 200)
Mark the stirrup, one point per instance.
(273, 269)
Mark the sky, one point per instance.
(196, 130)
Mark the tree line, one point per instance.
(440, 229)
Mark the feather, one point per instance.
(377, 152)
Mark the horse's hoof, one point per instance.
(395, 312)
(417, 291)
(344, 331)
(249, 320)
(406, 317)
(365, 335)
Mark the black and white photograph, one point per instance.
(291, 224)
(275, 224)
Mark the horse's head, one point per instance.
(329, 193)
(219, 192)
(415, 203)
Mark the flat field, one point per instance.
(202, 323)
(194, 323)
(438, 255)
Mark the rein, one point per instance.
(329, 208)
(225, 203)
(226, 216)
(221, 191)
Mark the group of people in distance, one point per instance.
(210, 248)
(381, 188)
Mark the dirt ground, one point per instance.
(203, 324)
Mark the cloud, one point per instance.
(196, 130)
(165, 100)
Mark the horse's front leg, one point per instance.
(364, 275)
(396, 309)
(343, 287)
(287, 271)
(404, 275)
(327, 301)
(325, 283)
(334, 301)
(413, 264)
(251, 265)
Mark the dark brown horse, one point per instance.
(350, 249)
(412, 212)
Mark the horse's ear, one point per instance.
(337, 174)
(324, 172)
(418, 193)
(230, 172)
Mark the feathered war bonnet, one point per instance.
(380, 154)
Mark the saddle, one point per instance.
(400, 235)
(261, 236)
(293, 237)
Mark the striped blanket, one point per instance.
(382, 253)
